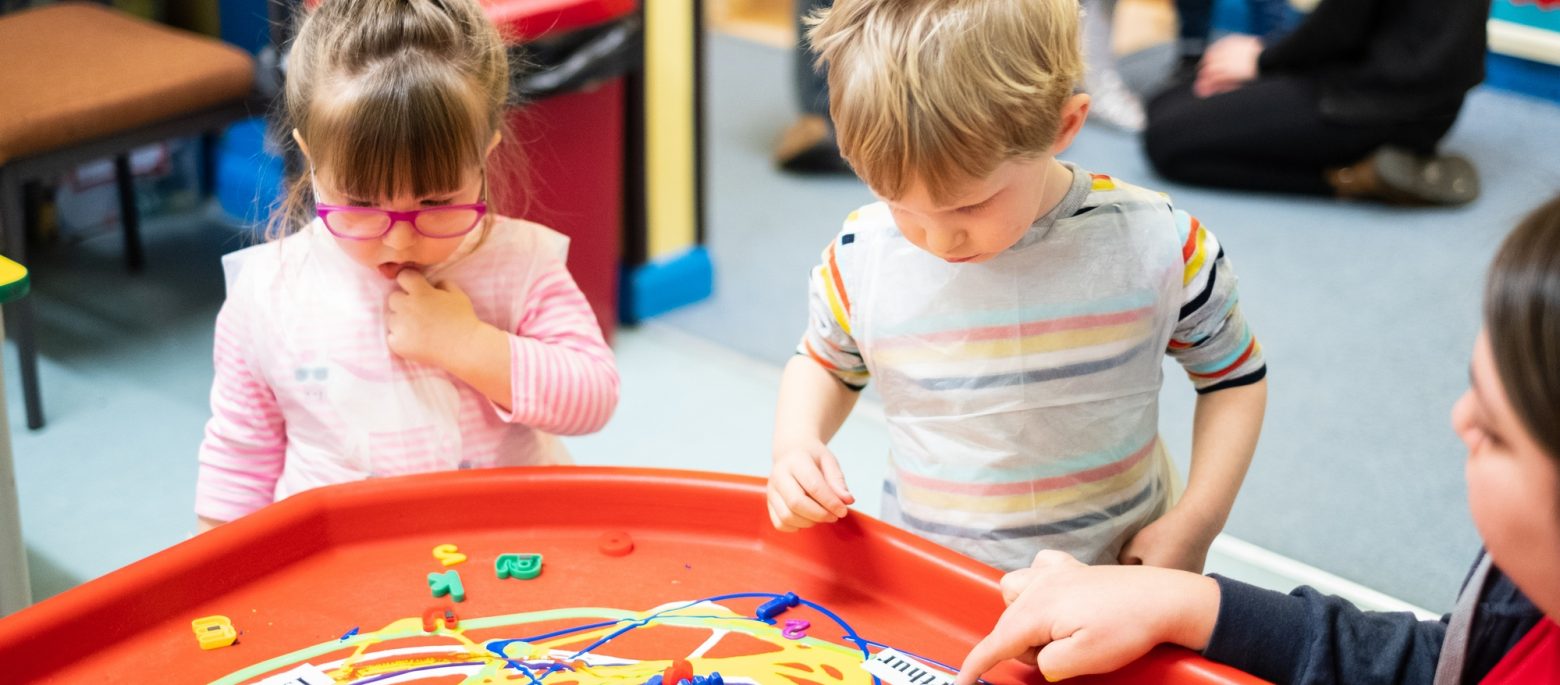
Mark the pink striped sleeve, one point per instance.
(563, 375)
(246, 441)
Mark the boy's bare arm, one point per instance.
(1224, 437)
(1225, 429)
(813, 404)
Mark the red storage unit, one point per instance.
(534, 19)
(572, 132)
(639, 568)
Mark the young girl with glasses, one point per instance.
(396, 326)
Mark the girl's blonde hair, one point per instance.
(392, 97)
(944, 91)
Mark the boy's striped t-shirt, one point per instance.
(1022, 392)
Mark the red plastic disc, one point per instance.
(616, 543)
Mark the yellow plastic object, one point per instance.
(670, 145)
(14, 282)
(449, 555)
(214, 632)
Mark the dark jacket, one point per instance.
(1386, 61)
(1306, 637)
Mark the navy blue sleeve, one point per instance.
(1308, 637)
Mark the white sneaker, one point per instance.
(1113, 103)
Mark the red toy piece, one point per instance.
(432, 616)
(679, 671)
(616, 543)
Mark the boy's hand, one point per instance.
(1177, 540)
(806, 487)
(1093, 619)
(426, 323)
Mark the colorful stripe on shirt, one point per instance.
(1194, 250)
(1211, 340)
(1035, 344)
(834, 289)
(828, 340)
(1026, 495)
(1103, 515)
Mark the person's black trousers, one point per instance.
(1269, 135)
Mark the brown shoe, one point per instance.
(1397, 176)
(808, 147)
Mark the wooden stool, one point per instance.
(82, 82)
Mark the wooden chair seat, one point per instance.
(77, 72)
(81, 82)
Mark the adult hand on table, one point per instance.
(1230, 63)
(1070, 619)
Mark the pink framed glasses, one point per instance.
(373, 223)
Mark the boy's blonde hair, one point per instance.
(393, 97)
(944, 91)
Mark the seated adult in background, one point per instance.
(807, 145)
(1266, 19)
(1353, 102)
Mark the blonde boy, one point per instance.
(1013, 308)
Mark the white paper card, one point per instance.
(307, 674)
(897, 669)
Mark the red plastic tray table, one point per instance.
(338, 578)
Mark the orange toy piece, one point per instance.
(679, 671)
(433, 615)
